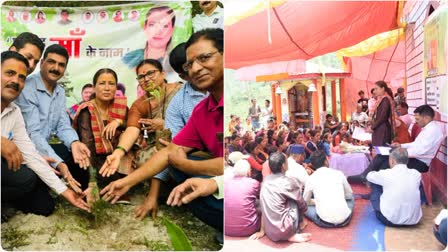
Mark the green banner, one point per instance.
(115, 36)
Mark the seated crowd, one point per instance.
(279, 176)
(101, 137)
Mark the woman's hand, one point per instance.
(152, 124)
(111, 165)
(110, 129)
(114, 191)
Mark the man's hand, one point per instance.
(150, 205)
(110, 129)
(178, 157)
(65, 173)
(111, 165)
(51, 160)
(12, 154)
(76, 199)
(114, 191)
(81, 154)
(191, 189)
(257, 235)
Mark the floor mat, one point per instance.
(418, 237)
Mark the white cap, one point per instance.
(236, 156)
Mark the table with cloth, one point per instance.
(350, 163)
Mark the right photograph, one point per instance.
(335, 125)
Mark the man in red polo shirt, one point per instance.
(204, 131)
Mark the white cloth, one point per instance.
(266, 113)
(426, 144)
(297, 171)
(360, 117)
(13, 128)
(408, 119)
(400, 201)
(215, 20)
(330, 189)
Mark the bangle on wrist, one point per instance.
(122, 148)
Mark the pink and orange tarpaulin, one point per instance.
(305, 29)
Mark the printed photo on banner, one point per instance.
(40, 17)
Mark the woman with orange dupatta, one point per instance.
(98, 120)
(383, 119)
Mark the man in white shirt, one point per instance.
(20, 160)
(421, 151)
(333, 197)
(360, 116)
(211, 17)
(266, 113)
(395, 195)
(295, 169)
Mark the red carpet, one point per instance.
(338, 238)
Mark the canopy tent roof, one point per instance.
(305, 29)
(284, 70)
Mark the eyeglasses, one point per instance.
(202, 58)
(150, 74)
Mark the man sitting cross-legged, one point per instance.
(282, 205)
(333, 197)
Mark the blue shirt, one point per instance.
(45, 113)
(181, 106)
(178, 112)
(327, 149)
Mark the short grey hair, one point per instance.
(241, 168)
(400, 155)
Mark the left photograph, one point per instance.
(112, 125)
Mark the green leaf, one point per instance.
(178, 238)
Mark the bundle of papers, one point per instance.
(350, 148)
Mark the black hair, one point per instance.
(178, 58)
(318, 158)
(14, 55)
(328, 116)
(234, 136)
(258, 140)
(383, 84)
(268, 101)
(88, 85)
(153, 62)
(250, 147)
(425, 110)
(57, 49)
(28, 38)
(371, 90)
(276, 162)
(215, 35)
(313, 133)
(404, 105)
(121, 87)
(103, 71)
(360, 92)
